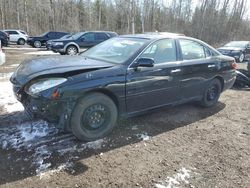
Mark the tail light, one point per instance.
(234, 65)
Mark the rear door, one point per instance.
(149, 87)
(14, 36)
(198, 67)
(100, 37)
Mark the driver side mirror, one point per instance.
(144, 62)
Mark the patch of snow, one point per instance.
(76, 148)
(41, 141)
(47, 174)
(7, 98)
(4, 76)
(23, 135)
(20, 48)
(22, 138)
(41, 53)
(143, 136)
(181, 176)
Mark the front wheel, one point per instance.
(37, 44)
(212, 93)
(94, 117)
(72, 50)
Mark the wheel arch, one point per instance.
(221, 79)
(72, 44)
(21, 38)
(106, 92)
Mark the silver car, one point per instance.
(17, 36)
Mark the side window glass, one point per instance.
(207, 52)
(101, 36)
(13, 33)
(89, 37)
(161, 51)
(191, 50)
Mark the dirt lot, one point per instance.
(184, 146)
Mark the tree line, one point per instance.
(214, 21)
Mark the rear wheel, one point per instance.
(241, 58)
(72, 50)
(93, 117)
(37, 44)
(21, 42)
(212, 93)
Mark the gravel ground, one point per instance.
(184, 146)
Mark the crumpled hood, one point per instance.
(228, 48)
(33, 68)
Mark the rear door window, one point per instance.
(101, 36)
(192, 50)
(161, 51)
(12, 32)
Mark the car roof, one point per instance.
(155, 36)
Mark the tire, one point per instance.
(37, 44)
(94, 117)
(71, 50)
(21, 42)
(241, 58)
(211, 94)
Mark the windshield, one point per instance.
(115, 50)
(66, 36)
(44, 34)
(77, 35)
(239, 44)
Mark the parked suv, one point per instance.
(40, 41)
(240, 50)
(49, 42)
(2, 55)
(4, 38)
(17, 36)
(73, 44)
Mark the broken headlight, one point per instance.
(42, 85)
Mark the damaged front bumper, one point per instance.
(56, 111)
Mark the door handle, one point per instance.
(176, 70)
(211, 66)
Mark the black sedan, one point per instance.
(122, 76)
(240, 50)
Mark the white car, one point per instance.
(17, 36)
(2, 55)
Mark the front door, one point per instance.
(149, 87)
(87, 40)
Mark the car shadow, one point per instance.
(56, 150)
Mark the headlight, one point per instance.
(45, 84)
(57, 43)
